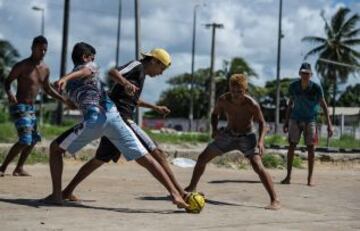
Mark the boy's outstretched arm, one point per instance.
(158, 108)
(14, 74)
(83, 72)
(120, 79)
(326, 112)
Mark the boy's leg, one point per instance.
(19, 170)
(160, 157)
(15, 149)
(148, 162)
(56, 169)
(265, 178)
(290, 158)
(157, 153)
(206, 156)
(83, 172)
(295, 130)
(311, 161)
(105, 152)
(310, 136)
(126, 141)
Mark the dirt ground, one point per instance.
(125, 197)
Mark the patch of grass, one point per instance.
(8, 132)
(272, 161)
(297, 162)
(345, 141)
(276, 139)
(34, 157)
(179, 138)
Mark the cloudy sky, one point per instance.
(250, 31)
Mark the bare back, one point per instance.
(30, 78)
(239, 114)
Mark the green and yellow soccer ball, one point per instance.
(196, 202)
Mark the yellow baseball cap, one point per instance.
(160, 54)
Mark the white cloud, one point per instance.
(250, 32)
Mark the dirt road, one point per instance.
(125, 197)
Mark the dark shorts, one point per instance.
(25, 121)
(107, 151)
(225, 141)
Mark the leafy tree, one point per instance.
(339, 45)
(350, 97)
(177, 98)
(8, 58)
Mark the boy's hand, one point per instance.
(261, 148)
(60, 85)
(330, 130)
(12, 99)
(162, 110)
(286, 127)
(130, 89)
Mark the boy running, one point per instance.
(126, 96)
(100, 118)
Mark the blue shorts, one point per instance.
(98, 124)
(25, 123)
(107, 151)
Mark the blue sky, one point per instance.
(250, 32)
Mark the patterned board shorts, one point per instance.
(25, 121)
(307, 128)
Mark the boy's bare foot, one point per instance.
(51, 200)
(285, 181)
(179, 201)
(311, 183)
(274, 205)
(70, 197)
(18, 172)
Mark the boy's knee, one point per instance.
(55, 148)
(160, 155)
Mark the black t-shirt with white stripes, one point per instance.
(126, 104)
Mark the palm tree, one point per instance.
(338, 45)
(8, 58)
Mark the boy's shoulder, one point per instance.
(251, 101)
(131, 66)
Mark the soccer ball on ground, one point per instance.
(196, 202)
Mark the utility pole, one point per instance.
(191, 109)
(214, 26)
(277, 106)
(137, 50)
(118, 34)
(41, 93)
(59, 110)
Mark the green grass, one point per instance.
(297, 162)
(345, 141)
(180, 138)
(8, 132)
(34, 157)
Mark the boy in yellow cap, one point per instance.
(126, 96)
